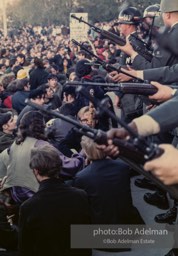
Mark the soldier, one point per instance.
(162, 58)
(128, 20)
(170, 18)
(150, 15)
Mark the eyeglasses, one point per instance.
(84, 120)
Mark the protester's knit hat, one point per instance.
(4, 118)
(83, 68)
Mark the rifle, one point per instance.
(145, 89)
(106, 66)
(137, 44)
(130, 153)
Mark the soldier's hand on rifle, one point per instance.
(115, 133)
(165, 168)
(119, 77)
(124, 78)
(127, 48)
(164, 92)
(110, 149)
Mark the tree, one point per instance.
(104, 11)
(48, 12)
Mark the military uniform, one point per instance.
(165, 114)
(161, 56)
(131, 105)
(164, 75)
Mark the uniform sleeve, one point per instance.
(166, 114)
(164, 75)
(161, 59)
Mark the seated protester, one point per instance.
(73, 138)
(107, 183)
(37, 96)
(69, 96)
(5, 93)
(54, 70)
(57, 129)
(22, 93)
(5, 98)
(7, 128)
(83, 72)
(86, 74)
(7, 79)
(83, 69)
(12, 87)
(105, 123)
(21, 182)
(38, 75)
(22, 74)
(50, 99)
(82, 55)
(46, 218)
(57, 89)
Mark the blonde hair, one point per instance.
(91, 150)
(82, 111)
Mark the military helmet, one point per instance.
(169, 6)
(129, 15)
(152, 11)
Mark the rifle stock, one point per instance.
(125, 88)
(128, 152)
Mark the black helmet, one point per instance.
(129, 15)
(152, 11)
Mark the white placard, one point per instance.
(79, 30)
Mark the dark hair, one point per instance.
(82, 68)
(4, 118)
(38, 62)
(37, 93)
(21, 55)
(69, 89)
(32, 124)
(52, 76)
(68, 109)
(55, 67)
(46, 160)
(84, 53)
(12, 86)
(22, 83)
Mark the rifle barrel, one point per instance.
(126, 88)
